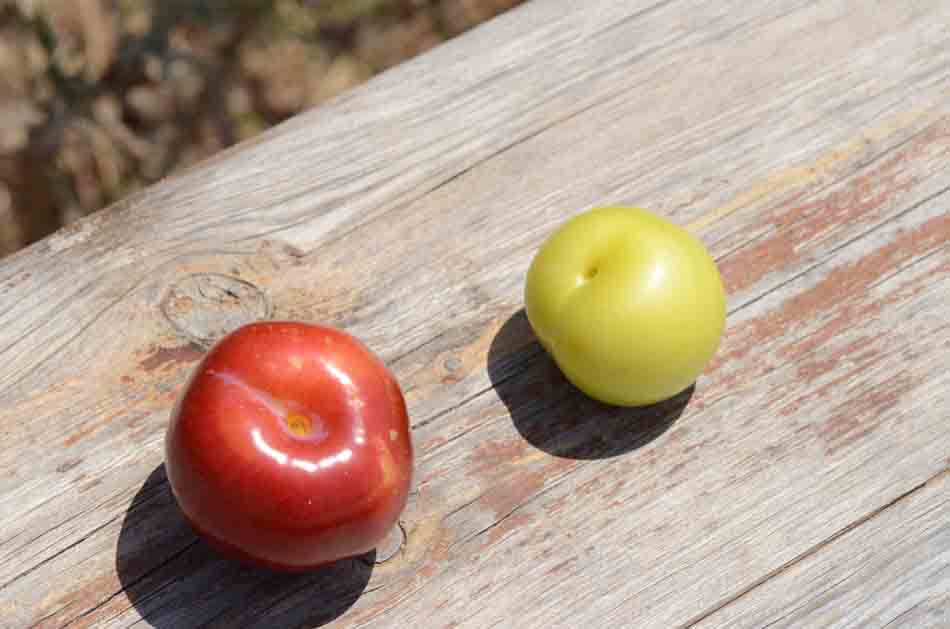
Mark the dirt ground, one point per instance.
(101, 97)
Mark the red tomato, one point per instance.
(290, 446)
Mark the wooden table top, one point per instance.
(803, 482)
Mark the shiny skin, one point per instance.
(290, 446)
(630, 305)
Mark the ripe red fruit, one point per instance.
(290, 446)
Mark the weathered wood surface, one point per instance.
(802, 483)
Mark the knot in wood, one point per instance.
(204, 307)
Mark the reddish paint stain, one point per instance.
(85, 597)
(89, 428)
(594, 486)
(505, 497)
(559, 505)
(431, 444)
(502, 529)
(830, 355)
(862, 414)
(860, 201)
(809, 372)
(163, 356)
(492, 454)
(842, 294)
(833, 310)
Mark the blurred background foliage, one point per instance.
(101, 97)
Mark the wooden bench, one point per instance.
(803, 483)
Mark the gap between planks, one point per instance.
(817, 548)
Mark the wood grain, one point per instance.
(806, 142)
(890, 570)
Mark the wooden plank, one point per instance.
(891, 571)
(816, 174)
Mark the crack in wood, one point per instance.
(524, 503)
(901, 615)
(814, 550)
(913, 263)
(133, 583)
(827, 588)
(830, 254)
(58, 553)
(82, 330)
(812, 194)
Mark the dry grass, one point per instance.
(101, 97)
